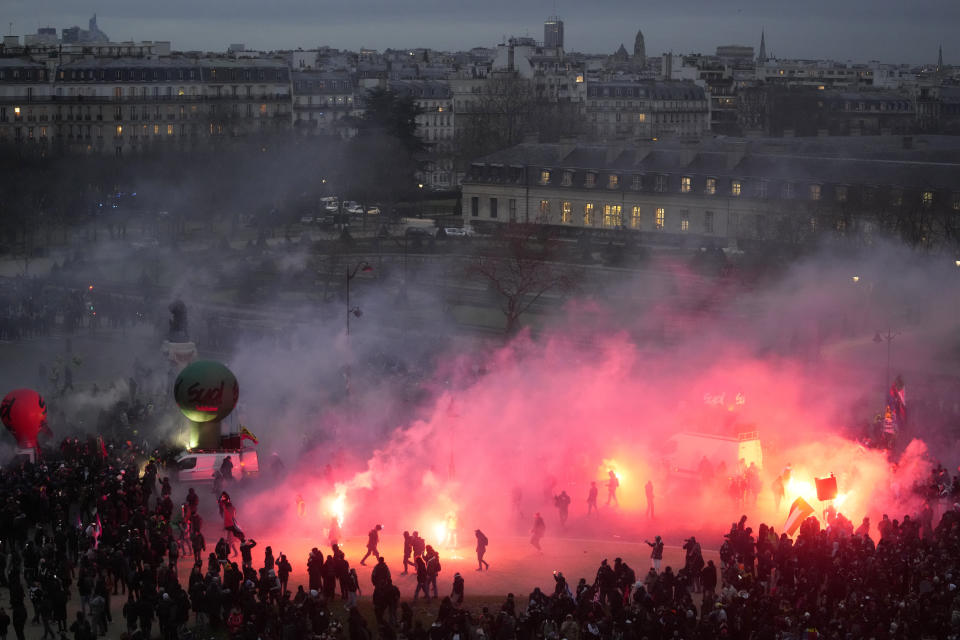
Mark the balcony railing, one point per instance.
(19, 100)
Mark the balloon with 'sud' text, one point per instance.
(24, 414)
(206, 391)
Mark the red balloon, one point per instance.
(24, 413)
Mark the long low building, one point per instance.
(723, 189)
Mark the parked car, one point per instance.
(354, 209)
(458, 232)
(373, 211)
(330, 203)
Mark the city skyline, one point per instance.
(815, 30)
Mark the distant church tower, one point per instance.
(639, 50)
(762, 56)
(940, 60)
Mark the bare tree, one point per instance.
(521, 268)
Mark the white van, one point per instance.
(197, 467)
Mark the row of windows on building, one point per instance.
(153, 92)
(20, 114)
(327, 101)
(304, 85)
(144, 75)
(610, 216)
(88, 132)
(788, 190)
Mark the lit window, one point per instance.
(635, 218)
(708, 222)
(169, 129)
(588, 214)
(613, 182)
(181, 92)
(263, 109)
(685, 184)
(156, 129)
(641, 117)
(590, 181)
(119, 130)
(566, 213)
(814, 192)
(927, 198)
(544, 209)
(684, 220)
(612, 217)
(735, 188)
(711, 187)
(841, 193)
(567, 178)
(660, 218)
(544, 177)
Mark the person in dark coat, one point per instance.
(482, 543)
(226, 469)
(373, 539)
(536, 533)
(407, 552)
(456, 596)
(422, 579)
(708, 578)
(315, 570)
(380, 576)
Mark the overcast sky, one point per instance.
(858, 30)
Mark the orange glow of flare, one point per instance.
(611, 464)
(632, 474)
(797, 488)
(440, 530)
(337, 505)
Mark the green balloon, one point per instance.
(206, 390)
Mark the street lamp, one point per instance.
(888, 336)
(356, 312)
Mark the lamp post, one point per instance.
(888, 336)
(363, 265)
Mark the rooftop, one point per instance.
(932, 162)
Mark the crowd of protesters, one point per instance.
(95, 526)
(43, 306)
